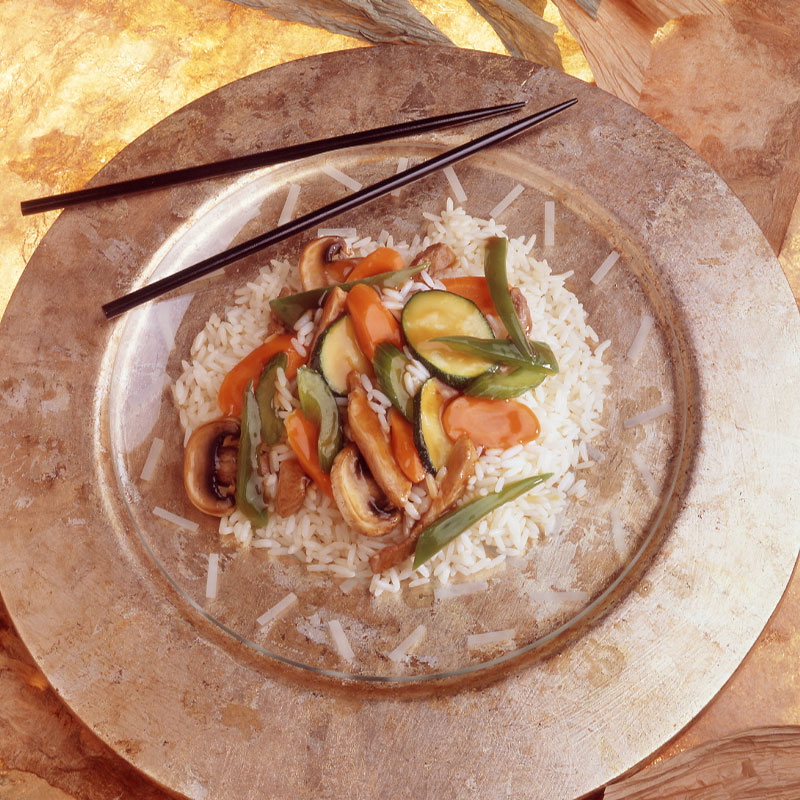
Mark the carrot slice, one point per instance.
(384, 259)
(303, 434)
(403, 448)
(373, 323)
(340, 270)
(490, 423)
(475, 288)
(250, 368)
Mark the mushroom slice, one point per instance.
(459, 469)
(315, 256)
(441, 258)
(333, 308)
(522, 309)
(358, 498)
(366, 432)
(291, 491)
(209, 466)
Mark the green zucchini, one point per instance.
(389, 363)
(319, 405)
(248, 496)
(271, 423)
(337, 354)
(433, 444)
(430, 315)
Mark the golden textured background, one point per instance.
(88, 76)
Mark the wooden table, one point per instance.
(82, 79)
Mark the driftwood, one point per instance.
(371, 20)
(616, 42)
(759, 764)
(519, 25)
(521, 29)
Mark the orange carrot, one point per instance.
(250, 368)
(373, 323)
(475, 288)
(384, 259)
(403, 448)
(490, 423)
(340, 269)
(303, 435)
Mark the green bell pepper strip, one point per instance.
(440, 533)
(291, 307)
(271, 423)
(319, 405)
(494, 268)
(502, 351)
(248, 498)
(505, 386)
(389, 363)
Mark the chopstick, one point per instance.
(266, 158)
(303, 223)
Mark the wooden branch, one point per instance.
(761, 764)
(522, 30)
(617, 42)
(370, 20)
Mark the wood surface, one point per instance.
(756, 764)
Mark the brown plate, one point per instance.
(110, 600)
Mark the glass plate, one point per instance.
(613, 510)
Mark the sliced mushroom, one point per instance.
(359, 499)
(522, 309)
(333, 308)
(523, 313)
(367, 433)
(292, 484)
(460, 468)
(315, 256)
(209, 466)
(441, 258)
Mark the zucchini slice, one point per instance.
(389, 364)
(337, 354)
(430, 315)
(433, 444)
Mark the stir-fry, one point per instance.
(471, 335)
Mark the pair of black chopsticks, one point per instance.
(233, 165)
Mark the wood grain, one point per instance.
(754, 765)
(521, 29)
(370, 20)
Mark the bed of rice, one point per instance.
(568, 405)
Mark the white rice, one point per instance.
(212, 575)
(568, 406)
(408, 644)
(476, 641)
(340, 640)
(153, 456)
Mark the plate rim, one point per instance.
(30, 625)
